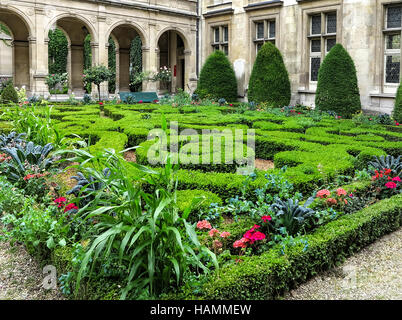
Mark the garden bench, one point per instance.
(139, 96)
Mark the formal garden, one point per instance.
(78, 189)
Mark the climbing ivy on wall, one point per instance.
(112, 64)
(58, 51)
(87, 58)
(135, 61)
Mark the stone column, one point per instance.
(150, 57)
(190, 75)
(39, 56)
(100, 51)
(173, 61)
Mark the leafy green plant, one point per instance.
(86, 186)
(37, 124)
(12, 139)
(140, 230)
(56, 79)
(58, 51)
(40, 229)
(28, 158)
(387, 162)
(290, 215)
(136, 65)
(269, 80)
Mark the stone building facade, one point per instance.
(167, 29)
(182, 33)
(304, 31)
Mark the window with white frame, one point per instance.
(220, 40)
(392, 46)
(322, 37)
(265, 30)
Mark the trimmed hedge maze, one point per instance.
(314, 150)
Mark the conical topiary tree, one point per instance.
(217, 78)
(269, 80)
(397, 113)
(337, 88)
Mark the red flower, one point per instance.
(70, 206)
(225, 234)
(60, 202)
(140, 101)
(266, 218)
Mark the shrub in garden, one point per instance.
(397, 113)
(9, 94)
(337, 88)
(269, 80)
(97, 75)
(217, 78)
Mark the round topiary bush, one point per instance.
(269, 80)
(337, 88)
(217, 78)
(9, 94)
(397, 113)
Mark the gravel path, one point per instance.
(375, 273)
(21, 277)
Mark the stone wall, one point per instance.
(359, 29)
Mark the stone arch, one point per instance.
(76, 27)
(173, 51)
(179, 31)
(79, 17)
(140, 30)
(123, 32)
(20, 54)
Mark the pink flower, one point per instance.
(396, 179)
(242, 243)
(331, 201)
(390, 185)
(217, 244)
(213, 232)
(225, 234)
(253, 235)
(266, 218)
(340, 192)
(204, 224)
(323, 193)
(140, 101)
